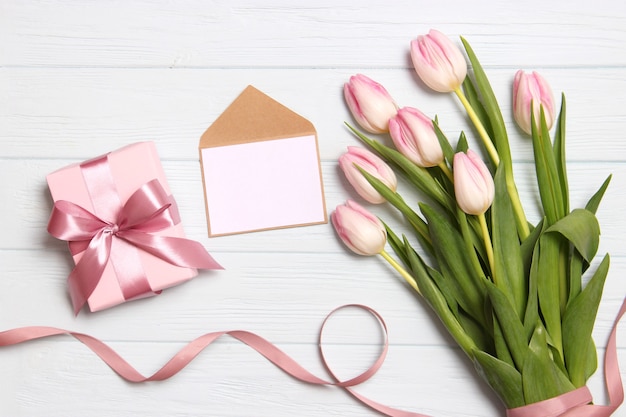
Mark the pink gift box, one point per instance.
(130, 168)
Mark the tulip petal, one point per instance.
(473, 184)
(360, 230)
(357, 159)
(370, 103)
(438, 62)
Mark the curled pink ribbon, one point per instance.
(184, 356)
(571, 404)
(148, 210)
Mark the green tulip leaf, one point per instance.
(450, 251)
(559, 155)
(473, 98)
(509, 269)
(502, 350)
(398, 245)
(448, 289)
(447, 149)
(541, 377)
(483, 339)
(578, 265)
(548, 178)
(462, 145)
(549, 280)
(529, 244)
(578, 323)
(398, 202)
(505, 380)
(510, 324)
(436, 300)
(582, 229)
(472, 237)
(531, 315)
(594, 201)
(492, 109)
(445, 308)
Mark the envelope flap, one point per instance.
(255, 117)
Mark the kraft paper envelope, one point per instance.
(260, 168)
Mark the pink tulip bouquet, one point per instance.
(509, 292)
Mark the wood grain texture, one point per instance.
(278, 34)
(79, 78)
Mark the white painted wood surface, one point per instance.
(80, 78)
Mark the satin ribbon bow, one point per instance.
(147, 211)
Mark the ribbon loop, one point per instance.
(149, 209)
(71, 222)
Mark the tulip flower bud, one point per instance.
(373, 165)
(414, 136)
(473, 183)
(438, 62)
(359, 229)
(533, 88)
(370, 104)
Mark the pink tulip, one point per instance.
(473, 183)
(359, 229)
(438, 62)
(373, 165)
(370, 104)
(533, 88)
(414, 136)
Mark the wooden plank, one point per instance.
(78, 113)
(281, 34)
(282, 296)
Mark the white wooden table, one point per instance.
(81, 78)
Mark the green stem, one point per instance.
(446, 171)
(438, 302)
(491, 150)
(488, 245)
(522, 223)
(407, 277)
(520, 216)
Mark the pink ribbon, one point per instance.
(571, 404)
(113, 234)
(183, 357)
